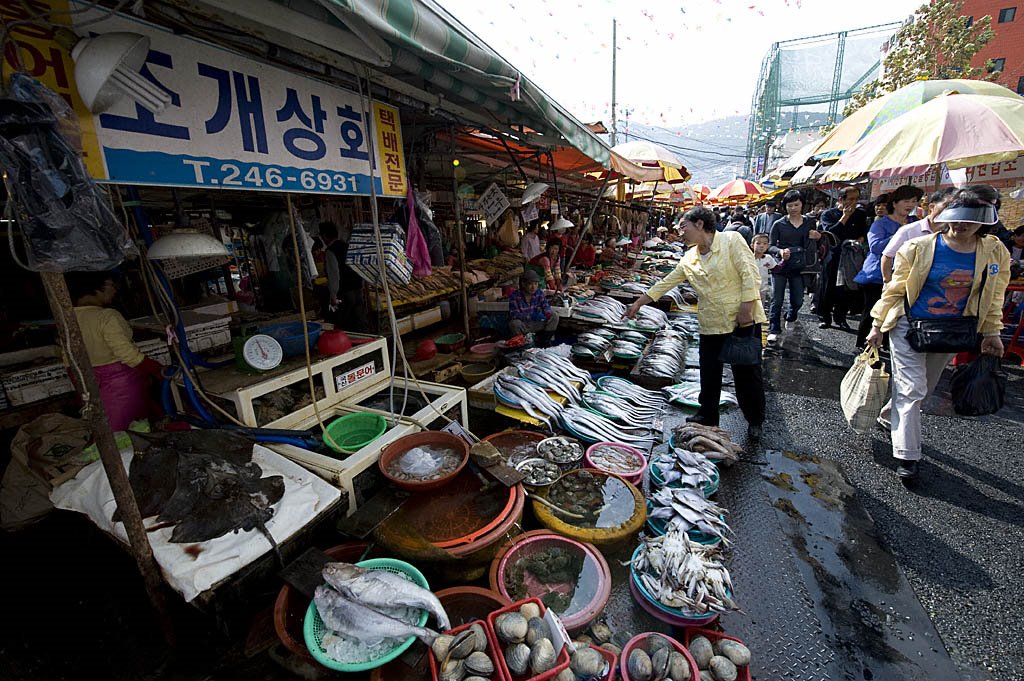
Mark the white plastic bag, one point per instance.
(419, 463)
(863, 391)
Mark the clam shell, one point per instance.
(476, 678)
(601, 632)
(480, 642)
(517, 658)
(700, 649)
(705, 675)
(587, 662)
(510, 627)
(737, 653)
(480, 664)
(441, 645)
(639, 665)
(678, 667)
(565, 675)
(542, 656)
(463, 644)
(656, 642)
(452, 670)
(722, 668)
(536, 629)
(529, 610)
(659, 664)
(611, 647)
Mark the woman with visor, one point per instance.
(960, 271)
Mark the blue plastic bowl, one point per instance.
(290, 337)
(691, 618)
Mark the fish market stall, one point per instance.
(192, 561)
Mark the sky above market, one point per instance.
(679, 62)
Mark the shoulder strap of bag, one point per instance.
(981, 290)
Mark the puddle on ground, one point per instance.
(864, 603)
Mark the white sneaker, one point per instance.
(772, 337)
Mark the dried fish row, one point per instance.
(592, 427)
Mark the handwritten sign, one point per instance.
(492, 203)
(530, 212)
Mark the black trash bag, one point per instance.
(978, 388)
(60, 211)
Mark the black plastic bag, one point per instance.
(59, 210)
(978, 388)
(742, 348)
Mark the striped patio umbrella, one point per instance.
(699, 191)
(878, 112)
(736, 191)
(959, 131)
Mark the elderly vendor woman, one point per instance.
(529, 311)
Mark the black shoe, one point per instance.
(843, 325)
(907, 470)
(824, 325)
(754, 433)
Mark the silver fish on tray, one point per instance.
(380, 588)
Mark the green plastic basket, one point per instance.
(313, 628)
(352, 432)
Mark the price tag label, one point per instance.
(559, 636)
(353, 376)
(455, 428)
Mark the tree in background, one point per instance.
(938, 43)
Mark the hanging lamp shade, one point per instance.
(107, 69)
(533, 192)
(186, 244)
(561, 224)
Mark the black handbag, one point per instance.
(946, 334)
(742, 348)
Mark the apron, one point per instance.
(123, 391)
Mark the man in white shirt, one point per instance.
(936, 204)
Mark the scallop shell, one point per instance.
(463, 644)
(536, 629)
(510, 627)
(700, 649)
(639, 665)
(529, 610)
(587, 662)
(452, 670)
(542, 656)
(659, 663)
(678, 667)
(480, 643)
(722, 668)
(517, 658)
(480, 664)
(441, 645)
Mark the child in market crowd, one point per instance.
(765, 264)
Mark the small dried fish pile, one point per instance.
(616, 459)
(684, 574)
(710, 440)
(367, 612)
(464, 656)
(666, 355)
(627, 390)
(529, 650)
(722, 659)
(590, 427)
(685, 509)
(681, 467)
(531, 398)
(600, 309)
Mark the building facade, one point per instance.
(1007, 48)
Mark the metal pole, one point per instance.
(613, 83)
(554, 181)
(590, 219)
(515, 160)
(460, 231)
(61, 306)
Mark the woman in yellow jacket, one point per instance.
(958, 271)
(721, 268)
